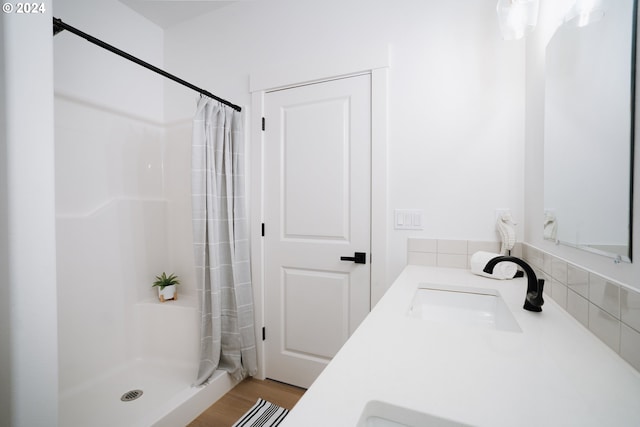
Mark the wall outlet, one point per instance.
(408, 219)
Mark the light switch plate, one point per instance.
(408, 219)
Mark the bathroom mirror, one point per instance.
(589, 132)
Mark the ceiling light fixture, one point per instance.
(584, 12)
(516, 17)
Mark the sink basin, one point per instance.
(382, 414)
(462, 305)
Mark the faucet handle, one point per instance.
(534, 300)
(540, 288)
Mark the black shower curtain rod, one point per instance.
(59, 26)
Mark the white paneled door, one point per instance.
(317, 211)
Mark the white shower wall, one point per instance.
(177, 192)
(123, 217)
(111, 239)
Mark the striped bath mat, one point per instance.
(262, 414)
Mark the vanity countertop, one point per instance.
(553, 373)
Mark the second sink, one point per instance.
(462, 305)
(382, 414)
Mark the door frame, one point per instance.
(375, 63)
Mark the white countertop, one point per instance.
(554, 373)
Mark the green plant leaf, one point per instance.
(163, 280)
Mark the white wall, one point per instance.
(111, 238)
(456, 94)
(29, 391)
(534, 155)
(91, 74)
(5, 295)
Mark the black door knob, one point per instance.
(358, 258)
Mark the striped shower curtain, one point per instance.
(221, 243)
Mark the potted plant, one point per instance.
(167, 287)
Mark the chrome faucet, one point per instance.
(533, 300)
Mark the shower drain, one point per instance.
(131, 395)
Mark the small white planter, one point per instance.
(168, 293)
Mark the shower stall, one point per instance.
(123, 216)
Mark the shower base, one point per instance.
(167, 399)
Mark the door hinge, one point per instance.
(264, 333)
(263, 124)
(263, 229)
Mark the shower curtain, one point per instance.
(221, 243)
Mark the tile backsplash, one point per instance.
(449, 253)
(609, 309)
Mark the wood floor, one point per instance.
(242, 397)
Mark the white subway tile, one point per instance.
(546, 262)
(605, 294)
(476, 246)
(578, 280)
(578, 307)
(559, 270)
(630, 346)
(559, 293)
(517, 250)
(604, 326)
(534, 257)
(548, 289)
(452, 247)
(452, 260)
(422, 245)
(630, 308)
(422, 258)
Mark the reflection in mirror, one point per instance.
(588, 141)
